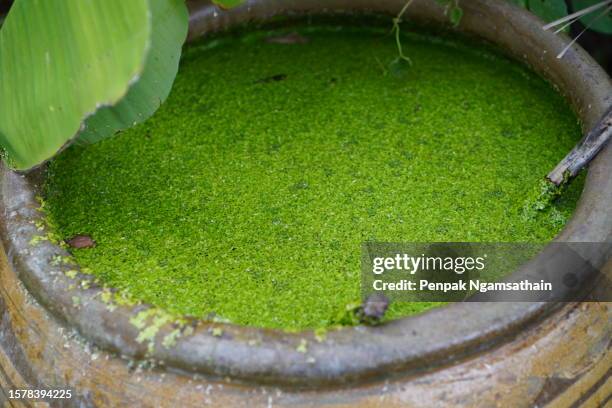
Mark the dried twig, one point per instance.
(571, 18)
(575, 16)
(584, 151)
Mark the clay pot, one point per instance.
(58, 332)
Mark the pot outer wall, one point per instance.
(535, 356)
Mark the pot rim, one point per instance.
(351, 354)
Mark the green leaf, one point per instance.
(455, 15)
(60, 61)
(602, 24)
(452, 9)
(548, 10)
(227, 4)
(83, 68)
(170, 21)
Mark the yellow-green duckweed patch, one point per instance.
(249, 192)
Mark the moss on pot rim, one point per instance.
(250, 191)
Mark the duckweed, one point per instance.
(247, 195)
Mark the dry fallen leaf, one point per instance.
(81, 241)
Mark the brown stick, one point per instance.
(584, 151)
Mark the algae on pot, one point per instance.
(249, 193)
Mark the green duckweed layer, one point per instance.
(249, 192)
